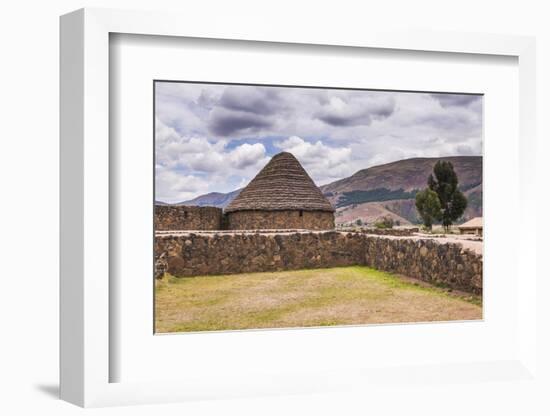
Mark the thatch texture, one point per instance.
(282, 184)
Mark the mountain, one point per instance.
(399, 179)
(392, 187)
(369, 213)
(213, 199)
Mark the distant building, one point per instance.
(281, 196)
(474, 226)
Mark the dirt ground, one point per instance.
(304, 298)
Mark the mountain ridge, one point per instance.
(419, 167)
(211, 199)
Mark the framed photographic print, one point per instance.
(283, 206)
(280, 213)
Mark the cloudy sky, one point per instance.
(215, 138)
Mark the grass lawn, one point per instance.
(320, 297)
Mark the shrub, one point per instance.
(384, 222)
(428, 207)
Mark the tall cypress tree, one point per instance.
(444, 183)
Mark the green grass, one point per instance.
(320, 297)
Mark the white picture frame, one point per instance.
(85, 211)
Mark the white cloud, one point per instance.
(171, 186)
(223, 135)
(246, 155)
(344, 110)
(183, 162)
(323, 163)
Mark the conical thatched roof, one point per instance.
(282, 184)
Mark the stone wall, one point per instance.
(439, 263)
(400, 232)
(204, 254)
(277, 220)
(181, 217)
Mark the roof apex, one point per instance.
(282, 184)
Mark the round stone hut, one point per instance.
(281, 196)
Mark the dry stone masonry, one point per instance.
(181, 217)
(258, 220)
(401, 232)
(196, 254)
(447, 264)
